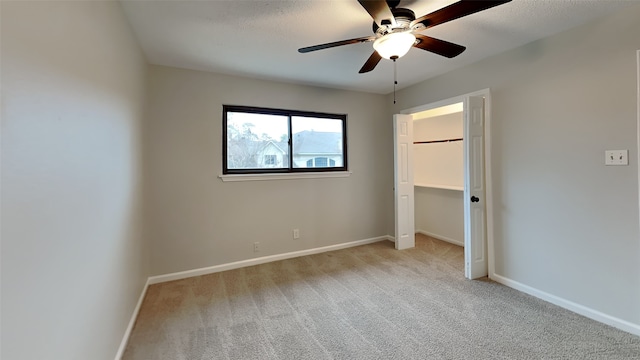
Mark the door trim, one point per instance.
(486, 93)
(638, 125)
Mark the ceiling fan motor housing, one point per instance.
(403, 17)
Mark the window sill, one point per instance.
(287, 176)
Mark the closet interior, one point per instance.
(439, 173)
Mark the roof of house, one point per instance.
(317, 142)
(280, 145)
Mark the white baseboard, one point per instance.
(440, 237)
(261, 260)
(570, 305)
(132, 322)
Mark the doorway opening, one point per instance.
(438, 139)
(442, 178)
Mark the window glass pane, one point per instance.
(317, 142)
(257, 141)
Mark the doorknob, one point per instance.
(475, 199)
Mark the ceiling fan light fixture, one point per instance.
(394, 45)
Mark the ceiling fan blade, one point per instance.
(455, 11)
(336, 43)
(371, 63)
(379, 11)
(438, 46)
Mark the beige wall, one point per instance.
(440, 213)
(196, 220)
(564, 223)
(439, 163)
(73, 259)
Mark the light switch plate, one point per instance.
(616, 157)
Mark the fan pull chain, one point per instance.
(395, 79)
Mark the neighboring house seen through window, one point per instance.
(260, 140)
(320, 162)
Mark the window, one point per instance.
(270, 159)
(321, 162)
(260, 140)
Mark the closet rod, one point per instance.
(437, 141)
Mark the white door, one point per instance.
(475, 232)
(403, 181)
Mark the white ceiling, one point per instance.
(260, 38)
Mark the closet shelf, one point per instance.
(437, 141)
(438, 186)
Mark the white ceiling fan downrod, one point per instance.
(395, 77)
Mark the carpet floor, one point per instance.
(366, 302)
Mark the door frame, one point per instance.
(486, 94)
(638, 123)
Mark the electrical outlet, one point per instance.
(616, 157)
(256, 246)
(296, 233)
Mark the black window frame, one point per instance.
(289, 113)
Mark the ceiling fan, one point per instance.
(397, 29)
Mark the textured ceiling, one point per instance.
(260, 38)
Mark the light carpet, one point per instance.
(366, 302)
